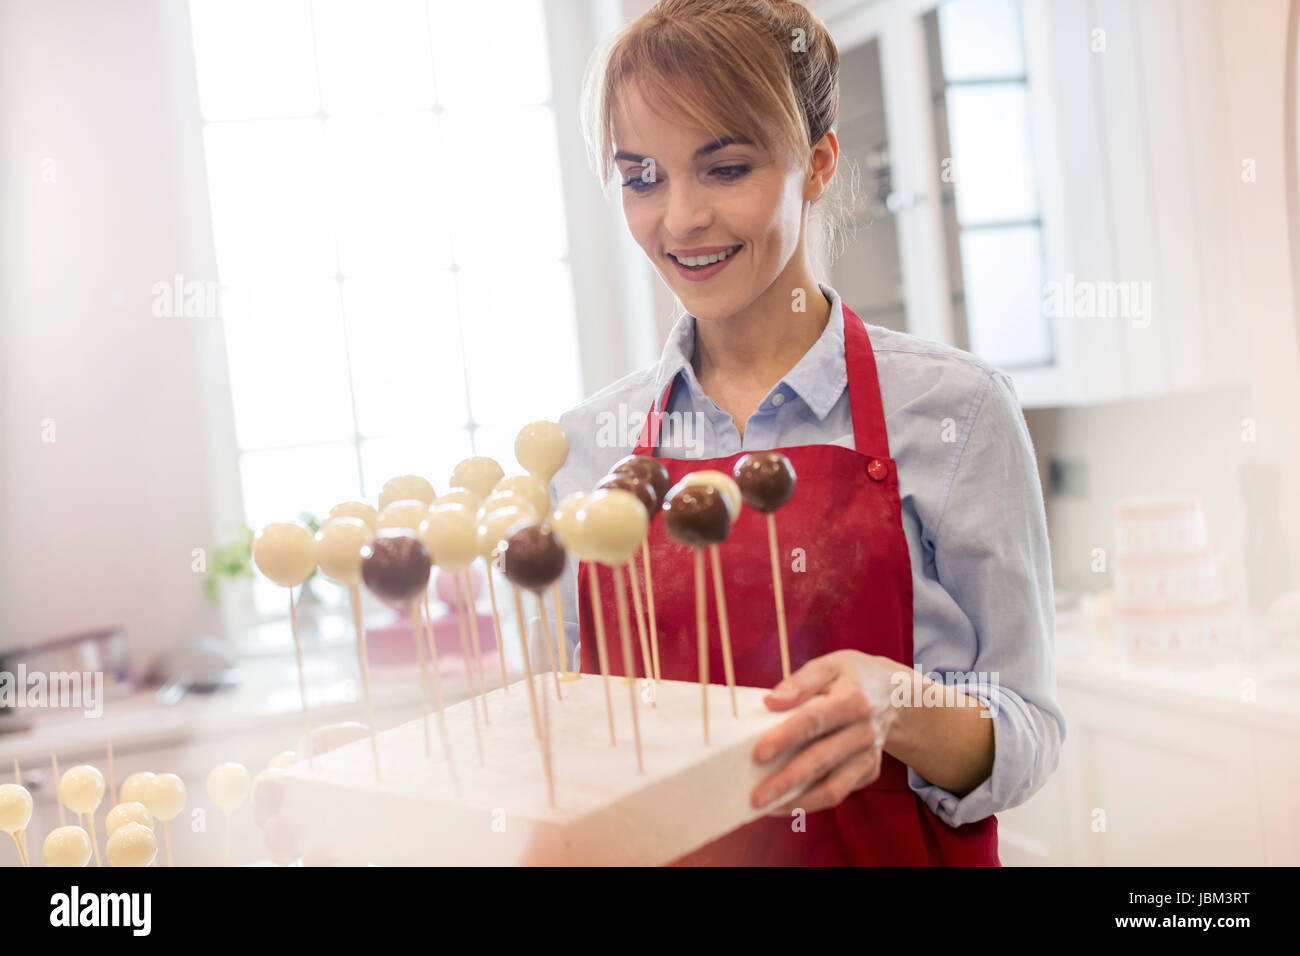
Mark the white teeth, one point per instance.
(697, 261)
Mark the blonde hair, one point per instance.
(764, 70)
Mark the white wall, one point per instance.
(97, 527)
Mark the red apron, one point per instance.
(855, 592)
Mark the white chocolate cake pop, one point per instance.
(357, 509)
(338, 549)
(229, 785)
(450, 532)
(611, 525)
(133, 812)
(133, 787)
(15, 808)
(478, 474)
(82, 789)
(407, 513)
(723, 482)
(541, 449)
(495, 526)
(406, 488)
(164, 796)
(533, 490)
(458, 496)
(564, 519)
(66, 846)
(285, 553)
(132, 845)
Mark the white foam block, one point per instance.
(605, 813)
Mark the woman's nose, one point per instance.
(688, 209)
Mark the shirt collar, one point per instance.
(818, 378)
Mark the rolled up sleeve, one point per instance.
(990, 554)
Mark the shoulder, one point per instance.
(603, 428)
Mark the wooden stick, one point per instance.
(437, 696)
(779, 592)
(702, 638)
(560, 645)
(646, 665)
(469, 679)
(414, 611)
(94, 841)
(542, 744)
(719, 595)
(54, 766)
(496, 623)
(466, 598)
(546, 639)
(112, 777)
(22, 854)
(167, 832)
(363, 665)
(650, 601)
(629, 662)
(302, 683)
(602, 651)
(547, 766)
(227, 856)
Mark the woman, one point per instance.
(916, 537)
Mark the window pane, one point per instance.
(1003, 274)
(520, 355)
(498, 57)
(374, 55)
(387, 180)
(981, 39)
(254, 58)
(407, 361)
(504, 178)
(995, 179)
(267, 187)
(432, 453)
(281, 483)
(288, 364)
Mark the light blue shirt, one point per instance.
(972, 512)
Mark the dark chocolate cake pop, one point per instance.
(696, 514)
(395, 566)
(532, 557)
(643, 489)
(766, 480)
(649, 470)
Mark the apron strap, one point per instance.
(868, 412)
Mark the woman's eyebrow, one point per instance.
(630, 157)
(700, 153)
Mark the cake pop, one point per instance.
(723, 482)
(164, 798)
(645, 493)
(766, 480)
(81, 790)
(697, 515)
(15, 814)
(510, 498)
(533, 558)
(458, 496)
(494, 525)
(66, 846)
(133, 845)
(406, 513)
(395, 566)
(611, 525)
(134, 787)
(478, 474)
(652, 471)
(406, 488)
(133, 812)
(229, 785)
(286, 553)
(357, 509)
(541, 449)
(338, 552)
(530, 488)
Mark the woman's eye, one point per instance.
(638, 184)
(730, 173)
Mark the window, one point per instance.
(390, 237)
(989, 182)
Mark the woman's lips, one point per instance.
(700, 273)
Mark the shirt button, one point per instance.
(878, 470)
(778, 399)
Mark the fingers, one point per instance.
(859, 770)
(806, 682)
(844, 704)
(815, 761)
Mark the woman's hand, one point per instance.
(842, 733)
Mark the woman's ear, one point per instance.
(821, 169)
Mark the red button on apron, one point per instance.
(878, 470)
